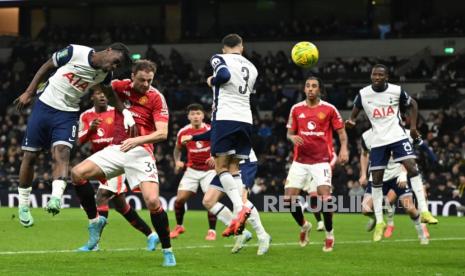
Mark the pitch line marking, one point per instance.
(225, 246)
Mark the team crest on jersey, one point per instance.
(215, 62)
(100, 132)
(311, 125)
(199, 144)
(109, 121)
(143, 100)
(321, 115)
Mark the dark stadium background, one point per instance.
(422, 42)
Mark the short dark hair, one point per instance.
(144, 65)
(321, 85)
(379, 65)
(232, 40)
(195, 107)
(121, 47)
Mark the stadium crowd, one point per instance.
(277, 90)
(307, 28)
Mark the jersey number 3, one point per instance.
(246, 75)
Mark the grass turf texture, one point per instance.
(47, 248)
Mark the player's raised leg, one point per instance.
(417, 186)
(80, 175)
(227, 167)
(60, 154)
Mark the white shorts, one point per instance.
(138, 164)
(310, 186)
(115, 185)
(301, 176)
(193, 178)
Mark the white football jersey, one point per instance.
(231, 100)
(382, 109)
(73, 78)
(393, 169)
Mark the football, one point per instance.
(305, 54)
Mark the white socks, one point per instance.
(256, 223)
(230, 188)
(58, 188)
(417, 187)
(24, 194)
(377, 194)
(222, 213)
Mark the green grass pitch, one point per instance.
(47, 248)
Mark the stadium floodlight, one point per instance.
(136, 56)
(449, 50)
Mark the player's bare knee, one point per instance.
(152, 202)
(77, 175)
(208, 202)
(61, 154)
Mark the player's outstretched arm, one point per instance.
(26, 98)
(344, 151)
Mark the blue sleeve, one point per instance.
(202, 137)
(220, 69)
(63, 56)
(358, 101)
(107, 80)
(404, 98)
(431, 156)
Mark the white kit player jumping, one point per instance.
(382, 102)
(233, 81)
(54, 119)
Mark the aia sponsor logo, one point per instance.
(381, 112)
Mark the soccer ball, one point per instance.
(305, 54)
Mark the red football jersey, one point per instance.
(197, 151)
(103, 135)
(315, 125)
(146, 109)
